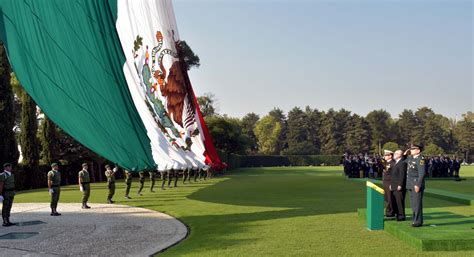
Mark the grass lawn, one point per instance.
(299, 211)
(463, 186)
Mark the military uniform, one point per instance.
(416, 177)
(152, 180)
(7, 179)
(110, 175)
(164, 176)
(128, 183)
(54, 179)
(387, 180)
(141, 180)
(86, 187)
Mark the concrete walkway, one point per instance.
(104, 230)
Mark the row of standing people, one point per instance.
(7, 185)
(365, 166)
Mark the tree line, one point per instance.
(309, 131)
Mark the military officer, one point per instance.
(7, 193)
(110, 175)
(141, 180)
(84, 185)
(128, 183)
(388, 164)
(416, 182)
(152, 180)
(54, 183)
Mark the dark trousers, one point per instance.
(7, 205)
(399, 203)
(388, 199)
(416, 201)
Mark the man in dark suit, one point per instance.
(398, 185)
(388, 164)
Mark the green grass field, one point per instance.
(299, 211)
(463, 186)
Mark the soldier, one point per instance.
(110, 175)
(186, 175)
(7, 193)
(84, 185)
(128, 183)
(164, 176)
(171, 175)
(388, 164)
(416, 182)
(54, 183)
(398, 185)
(141, 180)
(152, 180)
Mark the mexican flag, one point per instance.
(111, 74)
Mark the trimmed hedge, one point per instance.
(235, 161)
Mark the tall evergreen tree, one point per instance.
(8, 145)
(314, 124)
(49, 140)
(248, 123)
(328, 133)
(279, 115)
(357, 136)
(380, 128)
(298, 138)
(464, 134)
(28, 140)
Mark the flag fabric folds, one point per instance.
(110, 74)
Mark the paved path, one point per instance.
(104, 230)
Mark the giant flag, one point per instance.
(110, 73)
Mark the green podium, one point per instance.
(375, 207)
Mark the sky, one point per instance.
(358, 55)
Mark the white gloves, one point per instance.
(1, 198)
(399, 188)
(81, 188)
(51, 191)
(115, 169)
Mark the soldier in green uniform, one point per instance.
(164, 176)
(7, 193)
(54, 183)
(416, 182)
(84, 185)
(187, 175)
(152, 180)
(141, 180)
(128, 183)
(110, 175)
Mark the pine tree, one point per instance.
(248, 123)
(49, 140)
(8, 146)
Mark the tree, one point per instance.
(227, 134)
(298, 138)
(248, 123)
(406, 122)
(49, 141)
(8, 145)
(391, 146)
(314, 124)
(464, 134)
(328, 133)
(357, 136)
(190, 58)
(433, 149)
(28, 140)
(206, 104)
(268, 132)
(380, 127)
(279, 115)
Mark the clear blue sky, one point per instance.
(357, 55)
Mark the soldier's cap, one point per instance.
(417, 146)
(7, 165)
(54, 164)
(387, 152)
(107, 166)
(85, 164)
